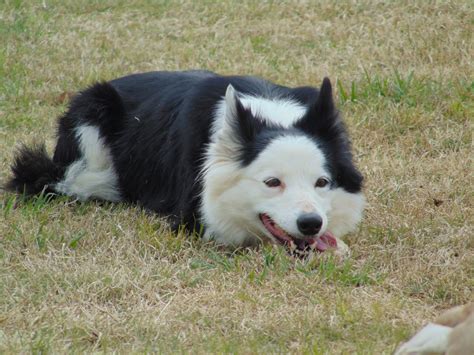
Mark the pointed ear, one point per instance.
(325, 102)
(322, 114)
(238, 119)
(230, 102)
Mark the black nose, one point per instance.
(309, 223)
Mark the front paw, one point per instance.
(342, 251)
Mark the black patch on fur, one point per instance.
(251, 133)
(99, 106)
(33, 171)
(250, 151)
(323, 123)
(246, 126)
(67, 146)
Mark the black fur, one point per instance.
(100, 106)
(33, 171)
(323, 123)
(157, 126)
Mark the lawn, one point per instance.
(99, 277)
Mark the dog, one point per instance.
(239, 158)
(452, 333)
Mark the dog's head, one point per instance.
(292, 184)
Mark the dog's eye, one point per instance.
(272, 182)
(321, 182)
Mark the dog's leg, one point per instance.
(85, 134)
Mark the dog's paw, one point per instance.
(342, 251)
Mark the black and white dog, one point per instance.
(246, 159)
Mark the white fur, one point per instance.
(284, 112)
(298, 163)
(93, 174)
(345, 211)
(234, 196)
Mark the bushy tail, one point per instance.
(33, 171)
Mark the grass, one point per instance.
(98, 277)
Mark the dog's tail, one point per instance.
(34, 171)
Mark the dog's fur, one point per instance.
(198, 147)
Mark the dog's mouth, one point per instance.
(298, 246)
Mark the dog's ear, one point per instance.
(239, 121)
(322, 115)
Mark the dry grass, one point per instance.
(91, 277)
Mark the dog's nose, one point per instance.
(309, 223)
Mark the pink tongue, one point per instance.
(326, 241)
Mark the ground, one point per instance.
(102, 277)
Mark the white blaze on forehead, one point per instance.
(291, 156)
(284, 112)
